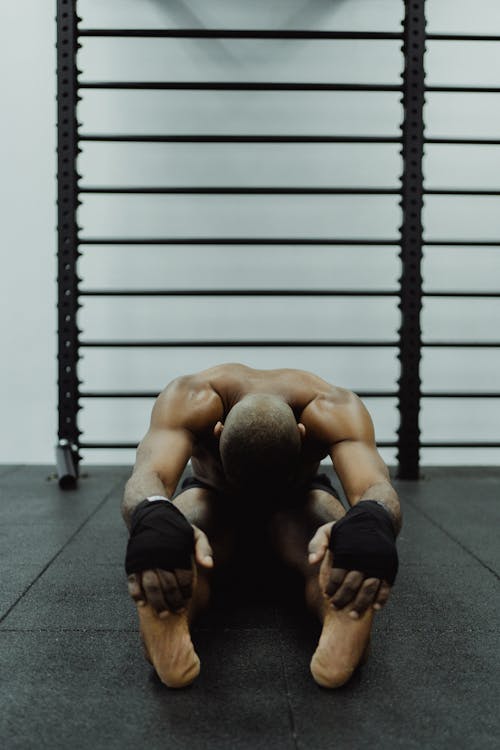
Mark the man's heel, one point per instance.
(168, 647)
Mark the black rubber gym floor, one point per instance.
(73, 674)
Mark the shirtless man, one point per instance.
(255, 439)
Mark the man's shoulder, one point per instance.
(205, 379)
(189, 401)
(334, 414)
(338, 397)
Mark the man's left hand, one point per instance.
(345, 588)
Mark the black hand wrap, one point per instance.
(365, 540)
(160, 537)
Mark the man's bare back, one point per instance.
(223, 386)
(193, 419)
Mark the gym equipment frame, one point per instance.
(410, 240)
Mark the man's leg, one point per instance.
(344, 642)
(167, 639)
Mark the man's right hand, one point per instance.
(159, 560)
(170, 590)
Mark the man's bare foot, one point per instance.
(167, 645)
(343, 645)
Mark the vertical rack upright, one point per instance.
(67, 450)
(410, 342)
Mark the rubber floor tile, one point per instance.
(87, 690)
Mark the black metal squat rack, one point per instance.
(413, 37)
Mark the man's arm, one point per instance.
(360, 468)
(348, 428)
(161, 458)
(183, 410)
(158, 559)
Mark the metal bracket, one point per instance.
(67, 464)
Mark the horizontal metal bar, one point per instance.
(241, 191)
(205, 138)
(377, 394)
(461, 344)
(235, 241)
(238, 293)
(462, 38)
(281, 190)
(461, 243)
(479, 295)
(456, 444)
(463, 89)
(154, 394)
(240, 34)
(278, 190)
(460, 394)
(273, 293)
(464, 141)
(109, 446)
(448, 191)
(235, 86)
(123, 446)
(119, 394)
(210, 344)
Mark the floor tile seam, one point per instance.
(425, 565)
(453, 538)
(68, 630)
(37, 523)
(291, 716)
(421, 630)
(60, 551)
(133, 629)
(216, 629)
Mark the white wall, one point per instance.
(28, 181)
(28, 237)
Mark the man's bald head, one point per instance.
(260, 442)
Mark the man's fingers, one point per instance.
(335, 580)
(171, 593)
(135, 589)
(366, 596)
(319, 543)
(382, 596)
(185, 582)
(348, 590)
(153, 590)
(202, 550)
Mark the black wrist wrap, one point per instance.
(364, 539)
(160, 537)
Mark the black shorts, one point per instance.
(290, 498)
